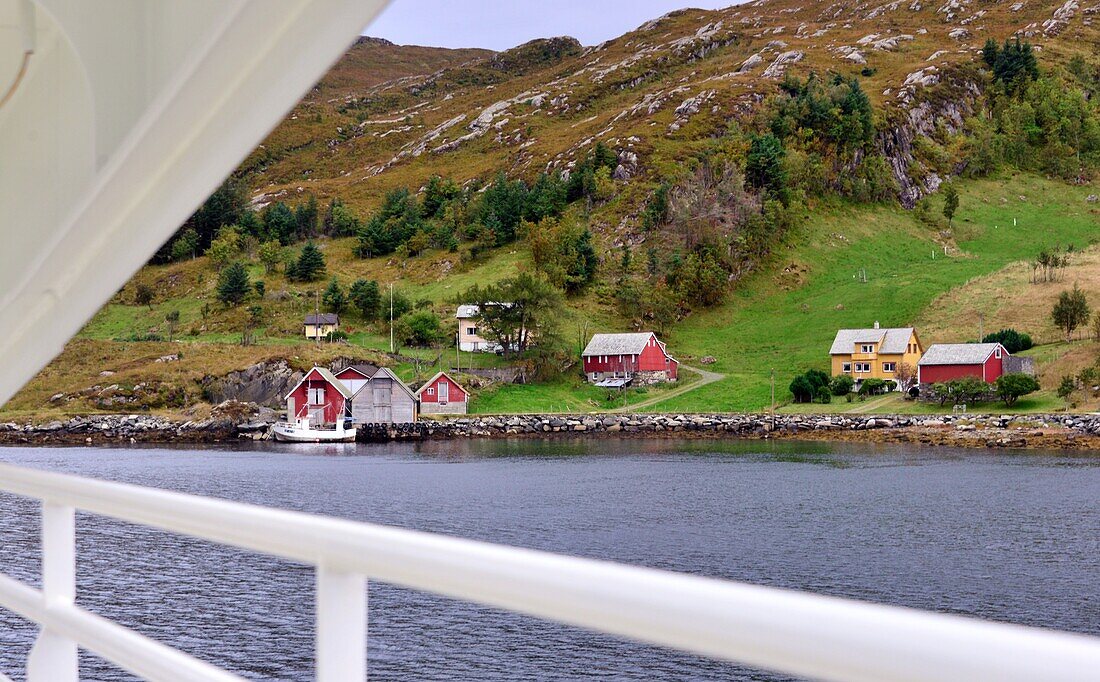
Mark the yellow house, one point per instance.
(875, 353)
(319, 326)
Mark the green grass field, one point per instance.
(774, 323)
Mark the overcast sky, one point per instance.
(500, 24)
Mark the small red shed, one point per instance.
(442, 395)
(321, 396)
(947, 361)
(637, 356)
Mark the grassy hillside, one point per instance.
(683, 96)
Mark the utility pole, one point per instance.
(316, 318)
(391, 317)
(458, 358)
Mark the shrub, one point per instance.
(801, 389)
(1012, 340)
(143, 295)
(1067, 386)
(823, 395)
(1015, 384)
(890, 385)
(841, 385)
(872, 386)
(336, 335)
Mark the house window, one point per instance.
(316, 396)
(431, 391)
(471, 331)
(888, 366)
(863, 367)
(867, 348)
(997, 353)
(846, 367)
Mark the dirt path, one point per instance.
(705, 378)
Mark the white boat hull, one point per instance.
(293, 433)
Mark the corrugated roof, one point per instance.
(323, 318)
(892, 340)
(958, 353)
(617, 344)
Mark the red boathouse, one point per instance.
(618, 359)
(321, 396)
(442, 395)
(947, 361)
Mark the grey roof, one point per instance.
(387, 373)
(366, 370)
(323, 318)
(617, 344)
(958, 353)
(892, 340)
(327, 376)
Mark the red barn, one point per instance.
(947, 361)
(356, 377)
(442, 395)
(618, 359)
(321, 396)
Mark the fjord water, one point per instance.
(1006, 536)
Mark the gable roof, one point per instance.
(327, 376)
(894, 340)
(431, 381)
(959, 353)
(467, 311)
(365, 371)
(386, 373)
(619, 344)
(323, 318)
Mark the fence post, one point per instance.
(53, 657)
(341, 626)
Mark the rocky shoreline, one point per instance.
(1065, 431)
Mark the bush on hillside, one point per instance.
(841, 384)
(808, 386)
(872, 386)
(1012, 340)
(1010, 387)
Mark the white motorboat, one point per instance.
(302, 431)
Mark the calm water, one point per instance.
(1012, 537)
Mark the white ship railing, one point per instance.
(792, 632)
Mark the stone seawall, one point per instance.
(1035, 431)
(1011, 429)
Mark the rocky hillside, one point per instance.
(656, 93)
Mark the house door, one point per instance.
(444, 392)
(382, 411)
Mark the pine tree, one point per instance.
(334, 297)
(311, 264)
(233, 284)
(364, 295)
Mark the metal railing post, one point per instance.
(53, 657)
(341, 626)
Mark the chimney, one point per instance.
(876, 324)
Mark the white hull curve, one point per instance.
(292, 433)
